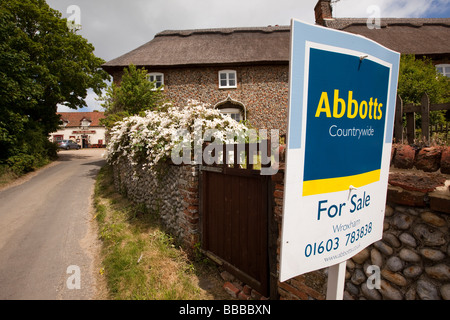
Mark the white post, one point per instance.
(336, 281)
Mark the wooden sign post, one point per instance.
(336, 281)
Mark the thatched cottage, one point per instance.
(244, 72)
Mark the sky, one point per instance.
(116, 27)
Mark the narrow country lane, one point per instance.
(47, 236)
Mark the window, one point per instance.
(232, 108)
(58, 138)
(227, 79)
(234, 113)
(158, 78)
(443, 69)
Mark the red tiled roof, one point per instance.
(75, 118)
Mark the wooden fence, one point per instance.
(235, 208)
(408, 133)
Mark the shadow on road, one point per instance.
(94, 172)
(99, 163)
(83, 154)
(69, 156)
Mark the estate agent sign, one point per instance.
(341, 115)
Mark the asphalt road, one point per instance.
(47, 235)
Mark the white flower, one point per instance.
(152, 138)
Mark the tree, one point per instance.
(419, 76)
(42, 64)
(134, 95)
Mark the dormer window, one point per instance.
(158, 78)
(227, 79)
(85, 122)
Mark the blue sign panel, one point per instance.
(346, 114)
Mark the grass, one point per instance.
(140, 260)
(7, 175)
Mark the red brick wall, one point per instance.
(322, 11)
(304, 287)
(429, 159)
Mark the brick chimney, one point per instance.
(323, 11)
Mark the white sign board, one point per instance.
(341, 114)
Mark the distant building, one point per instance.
(82, 127)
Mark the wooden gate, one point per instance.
(234, 208)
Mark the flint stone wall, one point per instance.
(261, 89)
(172, 194)
(414, 253)
(413, 256)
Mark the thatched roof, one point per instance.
(210, 47)
(409, 36)
(261, 45)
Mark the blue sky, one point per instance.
(115, 27)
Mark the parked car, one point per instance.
(68, 144)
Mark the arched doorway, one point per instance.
(235, 109)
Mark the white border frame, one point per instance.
(154, 74)
(299, 225)
(227, 72)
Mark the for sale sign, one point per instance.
(341, 114)
(347, 115)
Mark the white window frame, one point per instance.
(153, 76)
(444, 66)
(228, 79)
(232, 112)
(85, 122)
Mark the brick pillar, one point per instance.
(190, 193)
(323, 11)
(304, 287)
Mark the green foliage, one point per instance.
(33, 151)
(21, 163)
(42, 64)
(133, 96)
(419, 76)
(140, 260)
